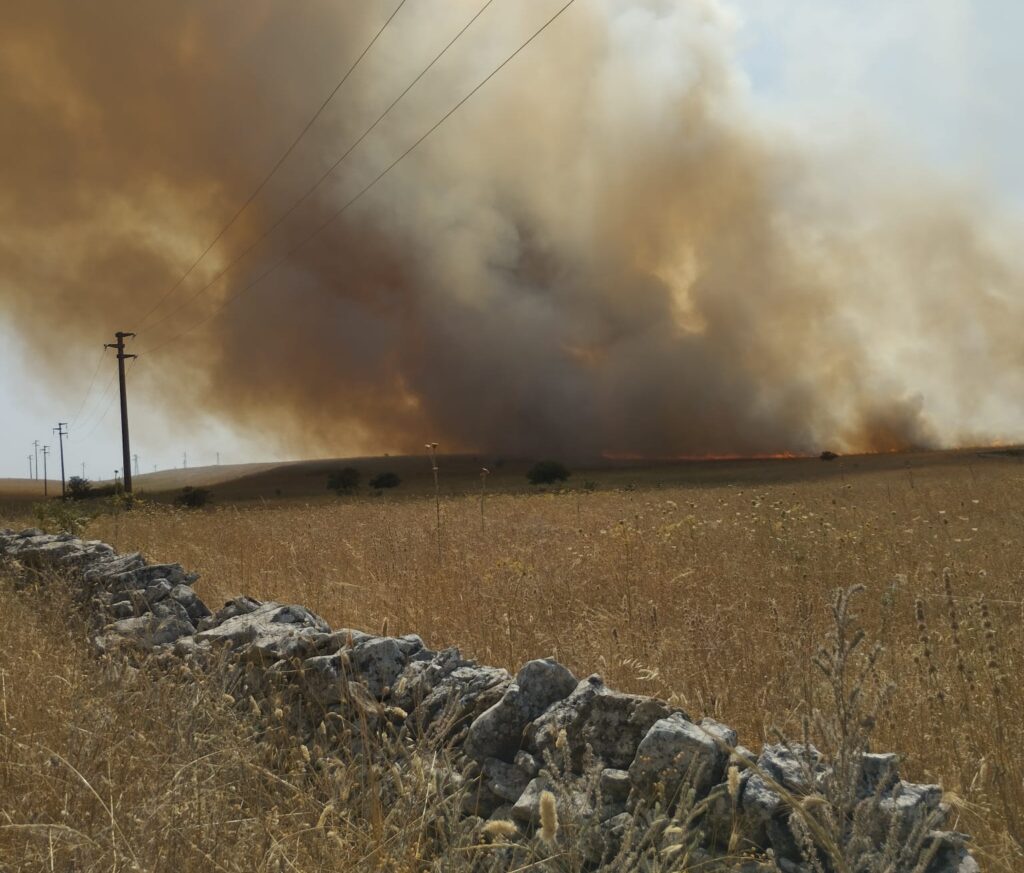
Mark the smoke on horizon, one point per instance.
(606, 250)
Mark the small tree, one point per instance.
(79, 488)
(547, 472)
(193, 498)
(385, 480)
(343, 481)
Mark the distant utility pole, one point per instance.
(29, 466)
(218, 459)
(83, 469)
(136, 459)
(125, 445)
(36, 444)
(432, 448)
(62, 431)
(184, 460)
(46, 451)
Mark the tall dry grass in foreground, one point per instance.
(716, 598)
(108, 767)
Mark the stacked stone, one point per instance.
(612, 760)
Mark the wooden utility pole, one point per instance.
(29, 466)
(35, 444)
(136, 459)
(61, 431)
(126, 467)
(46, 451)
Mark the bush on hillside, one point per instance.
(79, 488)
(343, 481)
(385, 480)
(547, 472)
(193, 498)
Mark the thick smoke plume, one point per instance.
(605, 250)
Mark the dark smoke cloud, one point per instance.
(604, 251)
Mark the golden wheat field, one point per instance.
(714, 596)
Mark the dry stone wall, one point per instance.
(617, 763)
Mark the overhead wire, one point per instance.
(88, 391)
(238, 213)
(110, 403)
(102, 403)
(273, 170)
(326, 174)
(356, 197)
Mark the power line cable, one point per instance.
(88, 391)
(106, 411)
(273, 170)
(330, 170)
(90, 419)
(355, 198)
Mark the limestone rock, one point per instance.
(187, 597)
(142, 632)
(99, 574)
(907, 806)
(611, 723)
(571, 799)
(324, 679)
(168, 608)
(269, 633)
(446, 693)
(238, 606)
(952, 855)
(615, 785)
(527, 763)
(676, 753)
(504, 780)
(498, 732)
(143, 577)
(378, 662)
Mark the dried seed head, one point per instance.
(500, 829)
(733, 781)
(548, 817)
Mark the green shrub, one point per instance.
(79, 488)
(193, 498)
(343, 481)
(385, 480)
(547, 472)
(55, 516)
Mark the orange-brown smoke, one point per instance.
(605, 250)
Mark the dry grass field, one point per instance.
(105, 768)
(714, 594)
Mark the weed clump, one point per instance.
(343, 481)
(383, 481)
(547, 473)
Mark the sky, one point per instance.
(935, 80)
